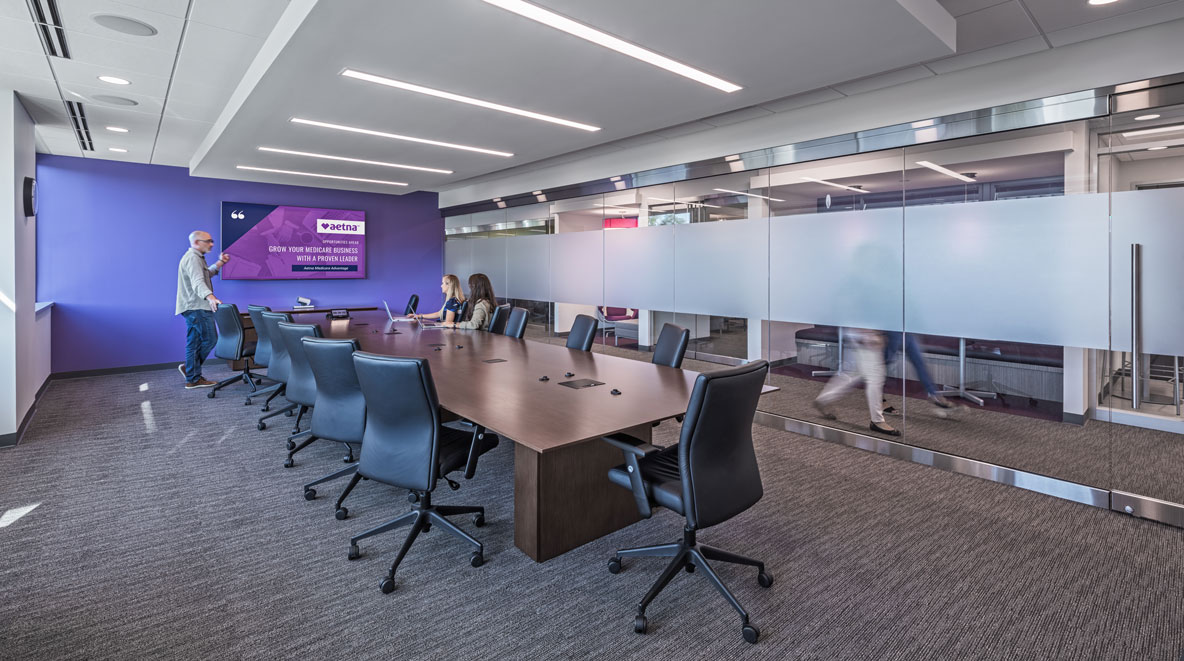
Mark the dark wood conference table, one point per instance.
(562, 496)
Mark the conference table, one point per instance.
(562, 496)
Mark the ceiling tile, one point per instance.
(120, 56)
(957, 8)
(60, 141)
(87, 95)
(1053, 15)
(180, 135)
(1116, 24)
(189, 100)
(15, 9)
(255, 18)
(988, 55)
(172, 7)
(74, 72)
(138, 124)
(25, 63)
(78, 18)
(20, 35)
(213, 56)
(46, 111)
(41, 86)
(883, 80)
(993, 26)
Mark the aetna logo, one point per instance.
(327, 226)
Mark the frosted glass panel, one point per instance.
(527, 267)
(458, 259)
(489, 257)
(577, 267)
(722, 268)
(1016, 270)
(639, 268)
(1152, 218)
(840, 269)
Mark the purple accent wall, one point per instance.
(110, 235)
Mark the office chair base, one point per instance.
(690, 555)
(245, 376)
(286, 410)
(422, 517)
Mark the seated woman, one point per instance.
(481, 296)
(453, 297)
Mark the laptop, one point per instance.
(422, 322)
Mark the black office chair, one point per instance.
(412, 304)
(462, 312)
(339, 413)
(302, 384)
(516, 324)
(406, 446)
(671, 346)
(709, 476)
(497, 320)
(232, 345)
(583, 333)
(278, 366)
(262, 349)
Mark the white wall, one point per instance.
(18, 268)
(1128, 174)
(1157, 50)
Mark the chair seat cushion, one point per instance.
(454, 448)
(659, 474)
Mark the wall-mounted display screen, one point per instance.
(272, 242)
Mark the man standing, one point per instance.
(196, 302)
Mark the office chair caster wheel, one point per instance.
(639, 624)
(211, 395)
(347, 459)
(614, 566)
(354, 552)
(477, 559)
(413, 497)
(247, 403)
(288, 413)
(289, 463)
(765, 579)
(258, 382)
(479, 520)
(427, 528)
(690, 569)
(751, 633)
(310, 494)
(266, 408)
(261, 426)
(388, 585)
(342, 514)
(291, 446)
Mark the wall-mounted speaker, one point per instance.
(30, 196)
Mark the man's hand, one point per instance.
(214, 302)
(223, 258)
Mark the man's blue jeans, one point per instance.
(913, 351)
(200, 338)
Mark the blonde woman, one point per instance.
(453, 297)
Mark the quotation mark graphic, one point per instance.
(237, 215)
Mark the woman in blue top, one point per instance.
(453, 297)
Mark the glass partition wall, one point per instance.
(969, 298)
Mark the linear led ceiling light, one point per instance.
(1143, 118)
(389, 82)
(120, 150)
(352, 160)
(834, 185)
(574, 28)
(395, 136)
(323, 176)
(946, 171)
(1158, 129)
(692, 204)
(117, 129)
(736, 192)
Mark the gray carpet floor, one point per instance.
(166, 527)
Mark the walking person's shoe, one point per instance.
(824, 410)
(942, 402)
(200, 383)
(884, 428)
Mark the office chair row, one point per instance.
(387, 406)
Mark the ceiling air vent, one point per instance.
(49, 26)
(81, 128)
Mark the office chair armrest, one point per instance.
(474, 451)
(629, 445)
(634, 449)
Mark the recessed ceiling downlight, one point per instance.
(115, 80)
(124, 24)
(112, 100)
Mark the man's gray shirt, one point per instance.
(193, 281)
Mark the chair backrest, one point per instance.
(302, 385)
(583, 333)
(400, 446)
(280, 364)
(231, 336)
(340, 407)
(497, 320)
(516, 324)
(263, 338)
(717, 463)
(412, 304)
(462, 312)
(671, 346)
